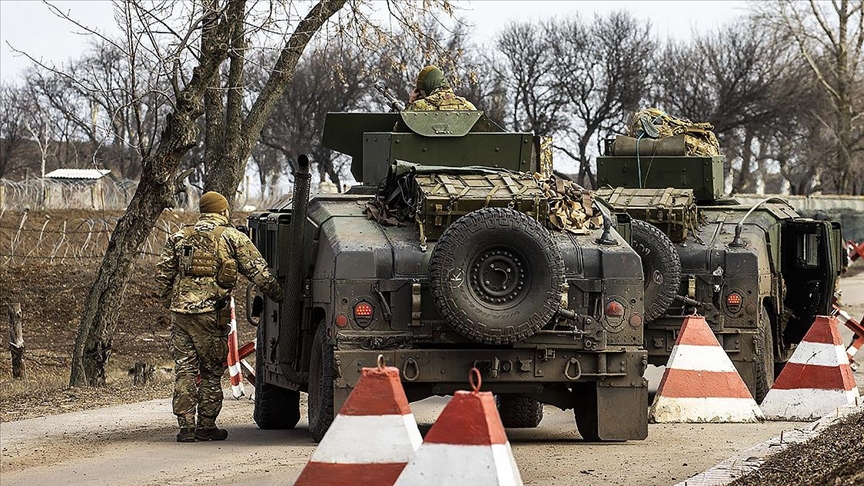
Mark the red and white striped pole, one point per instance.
(234, 357)
(857, 329)
(856, 250)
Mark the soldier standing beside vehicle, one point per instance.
(196, 272)
(432, 92)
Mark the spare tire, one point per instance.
(496, 276)
(661, 267)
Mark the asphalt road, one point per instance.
(134, 444)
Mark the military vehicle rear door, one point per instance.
(809, 266)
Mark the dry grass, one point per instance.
(47, 392)
(36, 383)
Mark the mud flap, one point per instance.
(609, 413)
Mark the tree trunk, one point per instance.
(226, 172)
(744, 182)
(155, 192)
(328, 170)
(16, 342)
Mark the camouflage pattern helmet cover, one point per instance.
(430, 79)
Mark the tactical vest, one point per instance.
(198, 257)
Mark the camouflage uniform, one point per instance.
(442, 98)
(200, 315)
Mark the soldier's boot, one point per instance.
(207, 430)
(186, 434)
(213, 433)
(187, 428)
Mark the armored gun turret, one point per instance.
(758, 273)
(459, 249)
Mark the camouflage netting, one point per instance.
(698, 137)
(571, 207)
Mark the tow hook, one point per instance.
(411, 370)
(570, 365)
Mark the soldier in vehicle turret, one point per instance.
(432, 92)
(196, 273)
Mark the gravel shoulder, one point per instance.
(834, 457)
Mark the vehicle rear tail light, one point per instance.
(363, 310)
(615, 309)
(734, 301)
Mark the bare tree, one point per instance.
(331, 77)
(603, 72)
(122, 98)
(270, 163)
(526, 66)
(745, 82)
(829, 37)
(157, 186)
(13, 130)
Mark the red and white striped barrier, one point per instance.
(248, 370)
(700, 383)
(816, 380)
(371, 439)
(234, 358)
(466, 445)
(856, 250)
(857, 329)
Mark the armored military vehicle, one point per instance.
(758, 273)
(459, 249)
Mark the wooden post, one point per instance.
(16, 342)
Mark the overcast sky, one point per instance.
(29, 26)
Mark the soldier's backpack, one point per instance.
(198, 257)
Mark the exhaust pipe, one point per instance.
(292, 305)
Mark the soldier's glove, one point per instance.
(222, 303)
(243, 229)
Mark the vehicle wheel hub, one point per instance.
(498, 276)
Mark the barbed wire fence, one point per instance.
(107, 194)
(25, 239)
(51, 222)
(38, 193)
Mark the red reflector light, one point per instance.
(341, 320)
(733, 299)
(614, 308)
(363, 309)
